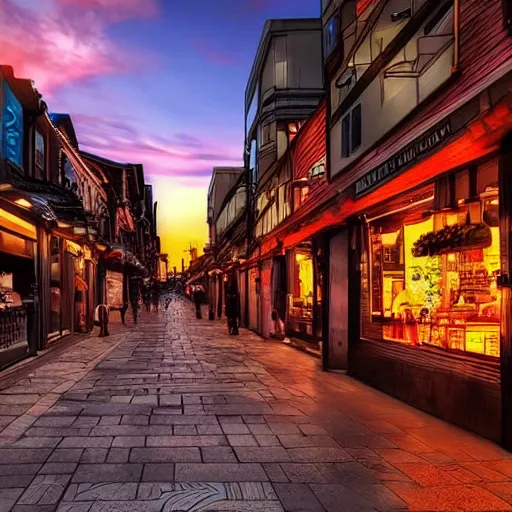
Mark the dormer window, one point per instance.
(330, 36)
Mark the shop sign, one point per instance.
(12, 143)
(406, 157)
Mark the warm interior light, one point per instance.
(23, 202)
(101, 247)
(495, 202)
(5, 186)
(63, 224)
(14, 223)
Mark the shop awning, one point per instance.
(48, 202)
(123, 257)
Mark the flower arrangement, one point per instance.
(452, 239)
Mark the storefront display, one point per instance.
(55, 287)
(114, 282)
(433, 271)
(301, 299)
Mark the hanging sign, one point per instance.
(406, 157)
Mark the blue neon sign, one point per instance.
(12, 143)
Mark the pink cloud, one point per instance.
(217, 57)
(55, 46)
(117, 10)
(182, 156)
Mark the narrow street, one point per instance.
(174, 415)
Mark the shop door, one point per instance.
(279, 286)
(338, 302)
(242, 287)
(253, 300)
(266, 299)
(68, 293)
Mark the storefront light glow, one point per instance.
(23, 202)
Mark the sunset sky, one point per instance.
(157, 82)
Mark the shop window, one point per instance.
(40, 167)
(351, 132)
(433, 279)
(330, 36)
(301, 307)
(507, 13)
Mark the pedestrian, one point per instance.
(198, 296)
(146, 297)
(155, 292)
(134, 293)
(233, 307)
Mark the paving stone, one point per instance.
(20, 469)
(224, 472)
(303, 473)
(23, 456)
(235, 428)
(165, 455)
(297, 497)
(298, 441)
(318, 455)
(15, 481)
(45, 490)
(267, 440)
(8, 498)
(96, 473)
(275, 472)
(242, 440)
(110, 491)
(218, 454)
(135, 420)
(86, 442)
(118, 455)
(152, 441)
(37, 442)
(158, 473)
(58, 468)
(473, 499)
(185, 430)
(128, 441)
(66, 455)
(94, 456)
(260, 454)
(213, 430)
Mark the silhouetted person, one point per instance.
(134, 292)
(233, 307)
(198, 300)
(155, 293)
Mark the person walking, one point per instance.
(155, 292)
(134, 294)
(233, 307)
(198, 296)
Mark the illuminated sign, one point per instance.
(12, 127)
(404, 158)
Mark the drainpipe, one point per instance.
(456, 32)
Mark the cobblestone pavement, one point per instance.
(175, 415)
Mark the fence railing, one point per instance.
(13, 326)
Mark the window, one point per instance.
(351, 132)
(252, 111)
(433, 280)
(330, 36)
(507, 13)
(325, 3)
(40, 166)
(281, 79)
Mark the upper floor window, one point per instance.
(40, 155)
(507, 13)
(351, 128)
(325, 3)
(330, 35)
(281, 68)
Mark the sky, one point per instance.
(157, 82)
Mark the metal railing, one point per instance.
(13, 326)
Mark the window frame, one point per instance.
(351, 124)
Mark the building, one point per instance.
(284, 88)
(415, 218)
(129, 248)
(47, 237)
(227, 198)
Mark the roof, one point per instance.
(65, 122)
(271, 29)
